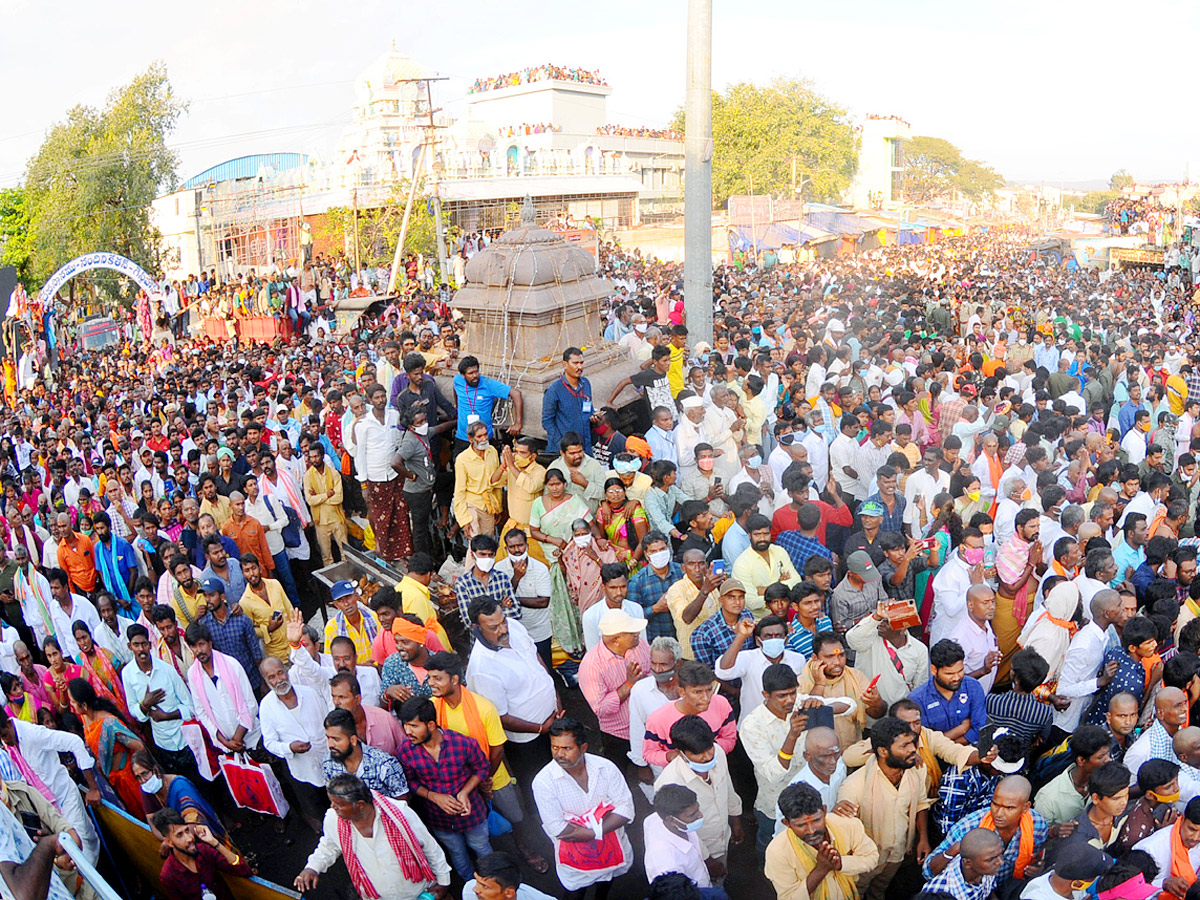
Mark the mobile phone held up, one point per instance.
(718, 567)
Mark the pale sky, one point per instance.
(1060, 90)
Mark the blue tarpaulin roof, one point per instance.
(835, 222)
(246, 167)
(772, 236)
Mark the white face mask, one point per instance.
(484, 563)
(518, 557)
(422, 429)
(660, 559)
(582, 541)
(640, 327)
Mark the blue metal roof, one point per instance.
(246, 167)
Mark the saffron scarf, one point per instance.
(200, 684)
(475, 728)
(413, 864)
(995, 473)
(1061, 570)
(1181, 864)
(1025, 841)
(835, 885)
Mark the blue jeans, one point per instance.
(283, 574)
(456, 844)
(303, 317)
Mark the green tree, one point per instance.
(757, 131)
(935, 168)
(379, 227)
(1120, 179)
(1094, 201)
(90, 185)
(14, 231)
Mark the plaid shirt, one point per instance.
(499, 587)
(893, 521)
(800, 548)
(947, 414)
(458, 759)
(713, 637)
(1193, 382)
(962, 792)
(236, 637)
(959, 829)
(646, 589)
(378, 771)
(952, 882)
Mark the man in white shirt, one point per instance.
(531, 584)
(671, 841)
(963, 569)
(616, 596)
(843, 459)
(975, 635)
(920, 489)
(314, 669)
(293, 728)
(68, 608)
(824, 771)
(1099, 569)
(649, 694)
(749, 664)
(1083, 672)
(1160, 846)
(372, 861)
(224, 701)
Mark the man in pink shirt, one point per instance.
(377, 727)
(608, 673)
(697, 697)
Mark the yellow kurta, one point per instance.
(473, 484)
(219, 509)
(679, 596)
(887, 812)
(789, 874)
(260, 611)
(523, 488)
(942, 747)
(756, 575)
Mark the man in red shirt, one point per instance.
(195, 859)
(797, 484)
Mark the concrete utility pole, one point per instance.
(697, 188)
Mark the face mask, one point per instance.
(974, 495)
(283, 688)
(700, 767)
(481, 445)
(690, 827)
(422, 429)
(518, 557)
(86, 531)
(663, 677)
(973, 555)
(704, 465)
(484, 563)
(660, 559)
(152, 785)
(625, 467)
(640, 328)
(582, 541)
(754, 462)
(1165, 798)
(773, 647)
(523, 462)
(1145, 426)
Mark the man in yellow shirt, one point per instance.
(213, 503)
(476, 496)
(693, 598)
(762, 564)
(461, 710)
(679, 355)
(268, 607)
(525, 478)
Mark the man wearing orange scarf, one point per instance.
(989, 469)
(1021, 828)
(1177, 852)
(475, 716)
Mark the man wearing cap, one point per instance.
(858, 594)
(1076, 866)
(233, 635)
(614, 581)
(712, 637)
(609, 671)
(352, 619)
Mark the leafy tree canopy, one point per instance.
(1120, 179)
(757, 130)
(935, 168)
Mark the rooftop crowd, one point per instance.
(891, 591)
(534, 74)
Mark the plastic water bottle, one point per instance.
(206, 894)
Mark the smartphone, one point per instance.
(716, 479)
(927, 543)
(718, 567)
(871, 686)
(32, 824)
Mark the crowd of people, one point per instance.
(534, 74)
(890, 590)
(669, 134)
(1141, 215)
(528, 128)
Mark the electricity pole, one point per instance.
(697, 188)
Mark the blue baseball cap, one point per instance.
(340, 589)
(212, 586)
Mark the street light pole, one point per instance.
(697, 193)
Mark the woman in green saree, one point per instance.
(550, 521)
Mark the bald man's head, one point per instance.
(978, 843)
(1105, 606)
(1016, 786)
(1186, 744)
(821, 751)
(1171, 708)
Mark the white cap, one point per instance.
(691, 402)
(617, 621)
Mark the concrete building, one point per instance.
(879, 181)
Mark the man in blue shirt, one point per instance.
(476, 396)
(114, 560)
(951, 701)
(567, 404)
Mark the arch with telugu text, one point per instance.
(90, 261)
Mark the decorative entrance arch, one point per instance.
(90, 261)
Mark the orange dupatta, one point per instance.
(470, 708)
(1060, 569)
(1025, 847)
(1181, 865)
(995, 472)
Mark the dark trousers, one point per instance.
(527, 759)
(420, 510)
(616, 751)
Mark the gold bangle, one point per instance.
(787, 756)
